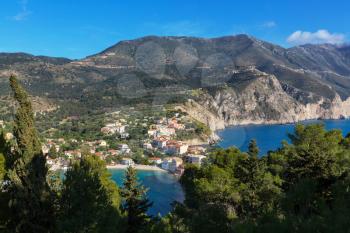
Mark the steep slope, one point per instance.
(241, 79)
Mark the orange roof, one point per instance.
(155, 158)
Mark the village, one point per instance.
(160, 148)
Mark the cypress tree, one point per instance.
(31, 200)
(136, 202)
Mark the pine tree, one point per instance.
(31, 200)
(136, 203)
(253, 149)
(90, 200)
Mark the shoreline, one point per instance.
(117, 167)
(280, 123)
(256, 124)
(136, 166)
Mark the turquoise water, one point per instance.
(164, 188)
(269, 137)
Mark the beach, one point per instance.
(137, 167)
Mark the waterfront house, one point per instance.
(194, 159)
(155, 160)
(171, 164)
(127, 162)
(175, 164)
(165, 163)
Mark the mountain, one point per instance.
(233, 80)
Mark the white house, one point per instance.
(155, 160)
(147, 146)
(160, 142)
(195, 159)
(175, 148)
(165, 163)
(127, 161)
(124, 135)
(120, 129)
(171, 163)
(175, 163)
(124, 149)
(45, 149)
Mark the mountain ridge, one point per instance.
(145, 69)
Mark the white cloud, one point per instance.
(24, 12)
(320, 37)
(269, 24)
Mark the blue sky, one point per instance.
(78, 28)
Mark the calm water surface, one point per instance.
(164, 188)
(269, 137)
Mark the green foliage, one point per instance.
(90, 200)
(30, 197)
(253, 149)
(2, 158)
(135, 202)
(53, 153)
(202, 128)
(301, 187)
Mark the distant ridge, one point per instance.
(307, 76)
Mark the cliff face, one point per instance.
(263, 100)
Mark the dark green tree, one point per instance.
(4, 198)
(135, 202)
(53, 153)
(2, 157)
(31, 200)
(90, 200)
(253, 149)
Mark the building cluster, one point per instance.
(119, 127)
(161, 140)
(99, 148)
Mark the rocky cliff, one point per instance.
(262, 100)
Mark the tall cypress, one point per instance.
(31, 205)
(136, 202)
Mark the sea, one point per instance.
(164, 189)
(269, 137)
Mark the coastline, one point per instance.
(115, 167)
(137, 167)
(280, 123)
